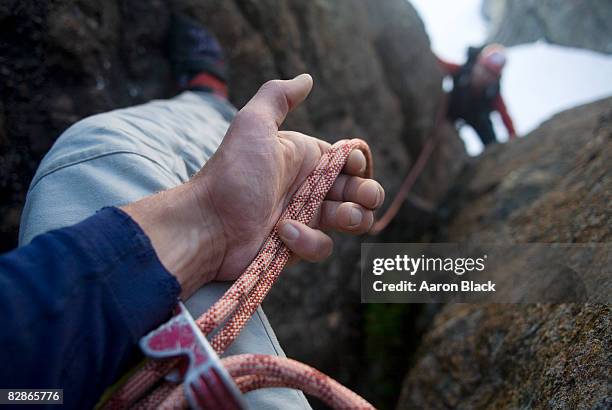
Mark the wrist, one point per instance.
(185, 233)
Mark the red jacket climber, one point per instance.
(476, 91)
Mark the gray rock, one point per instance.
(552, 187)
(513, 356)
(375, 78)
(584, 24)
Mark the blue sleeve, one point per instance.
(74, 303)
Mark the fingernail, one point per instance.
(303, 75)
(355, 217)
(364, 163)
(288, 232)
(372, 191)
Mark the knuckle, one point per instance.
(329, 215)
(352, 187)
(273, 85)
(276, 90)
(328, 248)
(247, 118)
(316, 247)
(322, 248)
(247, 114)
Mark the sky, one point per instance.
(539, 80)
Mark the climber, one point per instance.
(476, 91)
(84, 286)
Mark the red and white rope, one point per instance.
(274, 371)
(230, 313)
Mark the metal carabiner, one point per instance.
(207, 383)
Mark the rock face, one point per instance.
(570, 23)
(527, 356)
(553, 186)
(375, 77)
(63, 60)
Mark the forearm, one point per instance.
(507, 120)
(500, 106)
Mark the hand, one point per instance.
(251, 178)
(213, 226)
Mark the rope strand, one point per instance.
(235, 308)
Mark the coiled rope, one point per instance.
(228, 316)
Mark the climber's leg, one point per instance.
(121, 156)
(484, 128)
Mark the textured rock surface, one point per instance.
(526, 356)
(583, 24)
(64, 60)
(553, 186)
(374, 77)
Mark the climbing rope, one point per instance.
(414, 172)
(227, 317)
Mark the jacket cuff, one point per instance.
(142, 290)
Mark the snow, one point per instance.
(539, 80)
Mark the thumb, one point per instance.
(276, 98)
